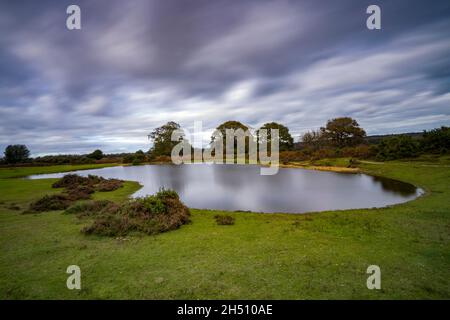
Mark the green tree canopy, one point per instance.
(97, 154)
(162, 139)
(397, 147)
(16, 153)
(343, 132)
(235, 125)
(436, 140)
(286, 140)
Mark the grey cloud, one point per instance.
(135, 65)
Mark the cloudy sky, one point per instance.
(135, 65)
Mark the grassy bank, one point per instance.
(18, 172)
(262, 256)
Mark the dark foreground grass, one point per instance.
(261, 256)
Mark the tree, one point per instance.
(97, 154)
(313, 139)
(139, 157)
(397, 147)
(436, 140)
(286, 142)
(343, 132)
(234, 125)
(16, 153)
(162, 139)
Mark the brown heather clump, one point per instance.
(72, 181)
(90, 208)
(108, 185)
(79, 192)
(49, 203)
(150, 215)
(224, 220)
(76, 188)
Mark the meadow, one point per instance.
(262, 256)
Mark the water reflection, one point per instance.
(401, 188)
(241, 187)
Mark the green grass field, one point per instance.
(263, 256)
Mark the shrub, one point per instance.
(70, 180)
(50, 203)
(89, 208)
(136, 162)
(325, 153)
(397, 147)
(76, 188)
(362, 151)
(167, 193)
(79, 192)
(109, 185)
(436, 140)
(224, 220)
(96, 183)
(129, 158)
(150, 215)
(162, 159)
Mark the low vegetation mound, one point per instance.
(74, 181)
(50, 202)
(76, 188)
(79, 193)
(224, 220)
(108, 185)
(150, 215)
(90, 208)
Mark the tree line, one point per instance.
(339, 137)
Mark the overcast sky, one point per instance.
(135, 65)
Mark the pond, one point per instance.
(241, 187)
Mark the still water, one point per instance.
(241, 187)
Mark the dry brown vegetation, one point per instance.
(76, 188)
(49, 203)
(150, 215)
(224, 220)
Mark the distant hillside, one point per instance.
(377, 138)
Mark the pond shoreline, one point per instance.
(277, 194)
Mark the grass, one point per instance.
(18, 172)
(262, 256)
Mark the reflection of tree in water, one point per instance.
(395, 186)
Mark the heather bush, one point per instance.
(73, 181)
(70, 180)
(50, 203)
(109, 185)
(224, 220)
(81, 192)
(150, 215)
(89, 208)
